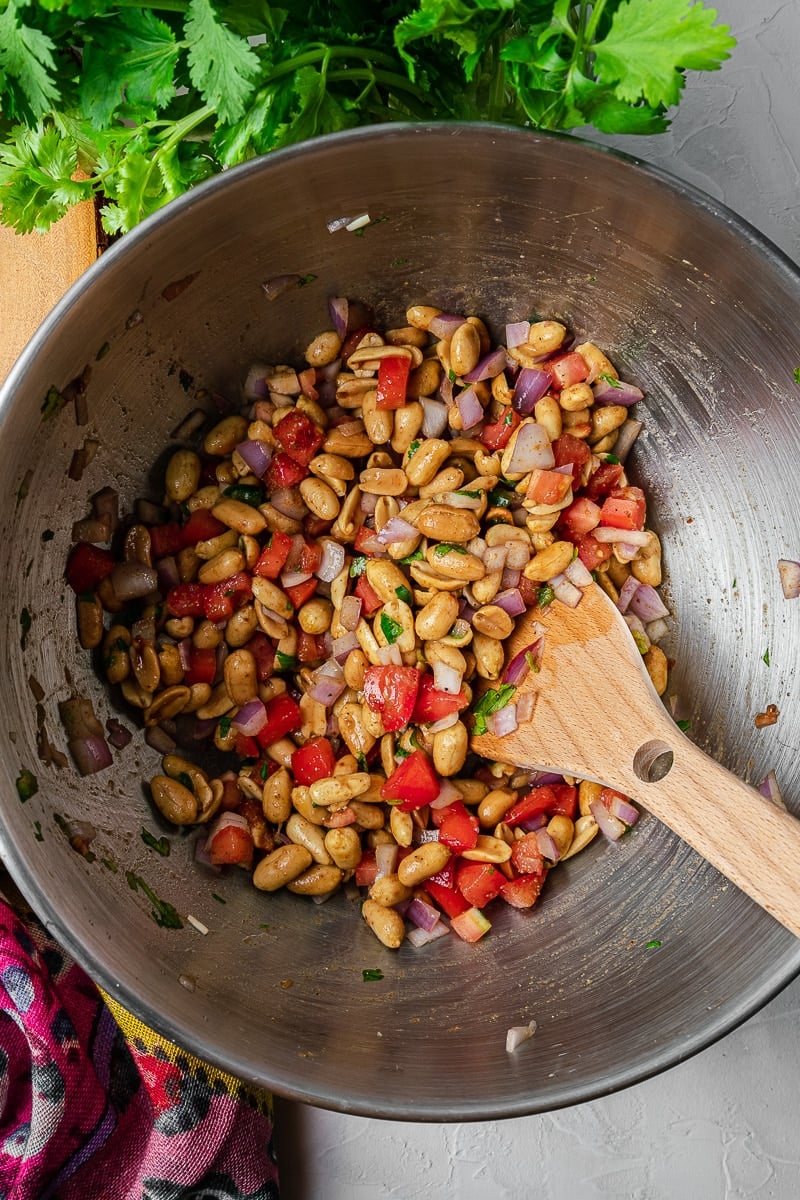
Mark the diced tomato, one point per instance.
(413, 782)
(529, 591)
(284, 471)
(433, 704)
(458, 828)
(283, 716)
(352, 340)
(478, 882)
(470, 925)
(298, 436)
(591, 552)
(166, 539)
(300, 592)
(550, 798)
(87, 565)
(310, 647)
(392, 381)
(307, 380)
(571, 450)
(392, 692)
(202, 666)
(603, 480)
(367, 543)
(548, 487)
(223, 598)
(496, 436)
(366, 871)
(522, 892)
(187, 600)
(370, 600)
(273, 557)
(449, 901)
(246, 747)
(314, 760)
(622, 514)
(526, 857)
(580, 517)
(201, 527)
(567, 369)
(263, 652)
(232, 844)
(446, 876)
(310, 557)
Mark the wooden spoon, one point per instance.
(597, 715)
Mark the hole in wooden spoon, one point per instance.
(652, 761)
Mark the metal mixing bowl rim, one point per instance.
(17, 863)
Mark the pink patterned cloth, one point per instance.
(87, 1113)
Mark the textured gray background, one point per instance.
(723, 1125)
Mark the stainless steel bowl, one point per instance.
(638, 954)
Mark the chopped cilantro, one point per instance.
(413, 448)
(27, 784)
(263, 771)
(612, 458)
(404, 594)
(163, 912)
(53, 403)
(445, 548)
(185, 779)
(642, 642)
(304, 280)
(401, 752)
(219, 899)
(796, 374)
(610, 380)
(398, 262)
(765, 657)
(451, 375)
(285, 662)
(224, 726)
(490, 702)
(361, 759)
(372, 975)
(160, 845)
(414, 556)
(530, 659)
(546, 596)
(733, 585)
(476, 495)
(358, 566)
(684, 725)
(391, 629)
(247, 493)
(103, 351)
(654, 945)
(499, 499)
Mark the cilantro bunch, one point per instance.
(137, 100)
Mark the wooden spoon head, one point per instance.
(595, 708)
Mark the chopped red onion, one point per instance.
(458, 500)
(350, 612)
(578, 573)
(616, 392)
(444, 325)
(630, 537)
(517, 333)
(201, 854)
(279, 284)
(226, 820)
(168, 574)
(628, 433)
(510, 578)
(251, 718)
(511, 602)
(337, 223)
(327, 683)
(421, 937)
(185, 652)
(609, 825)
(517, 670)
(332, 564)
(647, 604)
(118, 735)
(566, 592)
(203, 728)
(293, 578)
(770, 790)
(518, 555)
(789, 571)
(144, 630)
(547, 845)
(338, 307)
(656, 630)
(445, 390)
(386, 855)
(369, 544)
(494, 558)
(525, 707)
(256, 454)
(444, 723)
(396, 530)
(90, 754)
(623, 810)
(470, 408)
(255, 383)
(422, 914)
(448, 794)
(132, 580)
(307, 380)
(518, 1034)
(530, 386)
(627, 592)
(489, 366)
(289, 502)
(434, 420)
(343, 645)
(504, 721)
(447, 678)
(537, 821)
(532, 448)
(637, 628)
(390, 655)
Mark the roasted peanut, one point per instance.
(281, 867)
(423, 862)
(385, 923)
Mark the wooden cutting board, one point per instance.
(35, 271)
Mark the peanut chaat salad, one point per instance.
(311, 621)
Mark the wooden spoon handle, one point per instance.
(752, 841)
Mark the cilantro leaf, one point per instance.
(222, 66)
(651, 43)
(27, 64)
(36, 169)
(492, 700)
(130, 62)
(390, 628)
